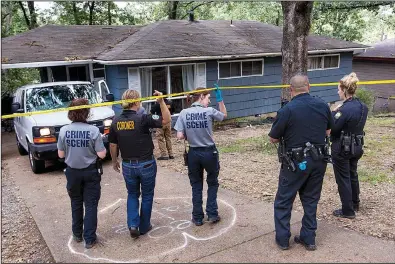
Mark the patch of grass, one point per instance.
(377, 121)
(244, 121)
(250, 144)
(231, 149)
(374, 177)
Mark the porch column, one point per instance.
(91, 72)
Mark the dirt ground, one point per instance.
(249, 166)
(21, 240)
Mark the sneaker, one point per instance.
(197, 222)
(282, 246)
(77, 239)
(356, 207)
(134, 232)
(91, 244)
(309, 247)
(171, 157)
(214, 219)
(149, 229)
(163, 158)
(339, 213)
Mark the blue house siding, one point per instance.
(329, 93)
(246, 102)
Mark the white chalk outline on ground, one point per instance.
(184, 234)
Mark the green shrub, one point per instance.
(11, 79)
(366, 96)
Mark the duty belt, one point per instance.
(348, 142)
(298, 155)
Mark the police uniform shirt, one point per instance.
(304, 119)
(350, 118)
(131, 132)
(196, 123)
(80, 142)
(155, 110)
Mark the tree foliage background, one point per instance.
(363, 22)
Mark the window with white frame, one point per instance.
(322, 62)
(235, 69)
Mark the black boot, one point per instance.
(134, 232)
(339, 213)
(310, 247)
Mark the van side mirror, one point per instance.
(110, 97)
(16, 108)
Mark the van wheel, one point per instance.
(38, 166)
(22, 151)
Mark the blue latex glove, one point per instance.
(218, 94)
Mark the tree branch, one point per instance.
(24, 14)
(5, 16)
(326, 7)
(187, 4)
(196, 7)
(91, 7)
(33, 15)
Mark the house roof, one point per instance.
(181, 38)
(382, 49)
(62, 43)
(165, 40)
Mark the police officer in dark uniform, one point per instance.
(131, 134)
(347, 145)
(301, 127)
(81, 145)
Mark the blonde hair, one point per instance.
(348, 83)
(129, 95)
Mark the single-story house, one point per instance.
(378, 63)
(179, 55)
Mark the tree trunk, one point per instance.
(172, 9)
(33, 15)
(296, 27)
(91, 8)
(75, 13)
(24, 14)
(7, 17)
(109, 12)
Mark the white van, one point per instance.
(37, 135)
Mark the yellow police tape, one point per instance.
(183, 93)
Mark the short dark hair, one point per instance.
(79, 115)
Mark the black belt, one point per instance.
(90, 167)
(203, 148)
(138, 160)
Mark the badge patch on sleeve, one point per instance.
(338, 115)
(155, 117)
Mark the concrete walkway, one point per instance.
(245, 234)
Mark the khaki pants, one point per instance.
(164, 140)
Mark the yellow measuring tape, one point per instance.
(183, 93)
